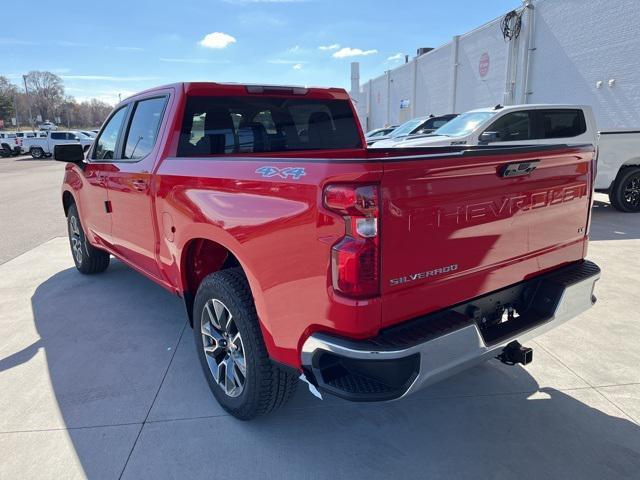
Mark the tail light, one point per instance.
(355, 258)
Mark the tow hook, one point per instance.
(515, 353)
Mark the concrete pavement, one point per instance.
(30, 206)
(99, 379)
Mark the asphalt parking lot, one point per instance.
(99, 379)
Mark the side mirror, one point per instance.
(488, 137)
(71, 153)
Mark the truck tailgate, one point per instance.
(461, 224)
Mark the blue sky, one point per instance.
(102, 48)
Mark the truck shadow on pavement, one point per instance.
(118, 354)
(609, 224)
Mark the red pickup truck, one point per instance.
(301, 254)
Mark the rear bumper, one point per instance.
(417, 353)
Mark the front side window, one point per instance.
(58, 136)
(106, 144)
(562, 123)
(143, 129)
(217, 125)
(512, 127)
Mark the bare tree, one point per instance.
(46, 98)
(46, 93)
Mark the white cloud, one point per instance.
(353, 52)
(297, 66)
(15, 41)
(107, 78)
(396, 57)
(129, 49)
(280, 61)
(67, 43)
(333, 46)
(217, 40)
(191, 60)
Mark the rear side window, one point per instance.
(513, 127)
(228, 125)
(58, 136)
(143, 129)
(562, 123)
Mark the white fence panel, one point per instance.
(433, 89)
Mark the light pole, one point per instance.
(26, 91)
(15, 110)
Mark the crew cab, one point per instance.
(301, 254)
(548, 124)
(43, 146)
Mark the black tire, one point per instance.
(266, 386)
(88, 259)
(625, 193)
(37, 153)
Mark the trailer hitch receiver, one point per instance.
(515, 353)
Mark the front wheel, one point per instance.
(232, 352)
(88, 259)
(625, 193)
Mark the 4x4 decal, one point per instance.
(269, 172)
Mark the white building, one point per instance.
(567, 51)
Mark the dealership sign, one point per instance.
(483, 65)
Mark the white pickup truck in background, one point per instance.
(618, 151)
(43, 147)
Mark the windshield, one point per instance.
(406, 128)
(379, 133)
(463, 124)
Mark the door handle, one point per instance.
(140, 185)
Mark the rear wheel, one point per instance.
(37, 152)
(88, 259)
(231, 350)
(625, 193)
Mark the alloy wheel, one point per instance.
(223, 347)
(76, 239)
(631, 192)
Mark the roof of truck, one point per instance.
(528, 106)
(203, 88)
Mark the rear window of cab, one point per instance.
(236, 125)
